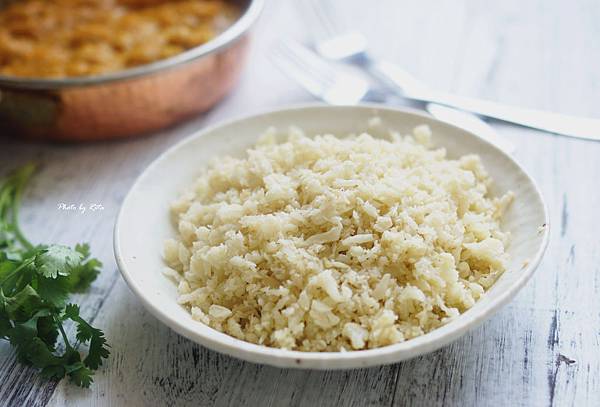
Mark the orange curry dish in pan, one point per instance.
(69, 38)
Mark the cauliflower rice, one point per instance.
(334, 244)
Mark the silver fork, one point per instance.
(336, 87)
(354, 46)
(318, 77)
(333, 44)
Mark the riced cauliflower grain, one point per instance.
(333, 244)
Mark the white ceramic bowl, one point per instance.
(144, 223)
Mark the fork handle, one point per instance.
(570, 126)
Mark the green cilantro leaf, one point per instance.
(98, 348)
(5, 323)
(47, 331)
(6, 266)
(38, 353)
(22, 305)
(77, 371)
(35, 283)
(54, 291)
(21, 337)
(83, 249)
(53, 372)
(81, 375)
(82, 276)
(57, 260)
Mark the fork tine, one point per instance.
(295, 68)
(310, 61)
(319, 77)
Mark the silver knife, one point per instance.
(472, 124)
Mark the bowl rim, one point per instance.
(221, 41)
(255, 353)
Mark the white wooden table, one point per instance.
(542, 349)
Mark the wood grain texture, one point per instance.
(543, 349)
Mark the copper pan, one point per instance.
(132, 101)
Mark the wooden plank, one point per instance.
(541, 350)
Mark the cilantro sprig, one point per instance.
(35, 284)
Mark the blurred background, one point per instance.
(531, 54)
(541, 54)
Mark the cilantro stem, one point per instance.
(5, 205)
(49, 273)
(62, 331)
(4, 199)
(22, 176)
